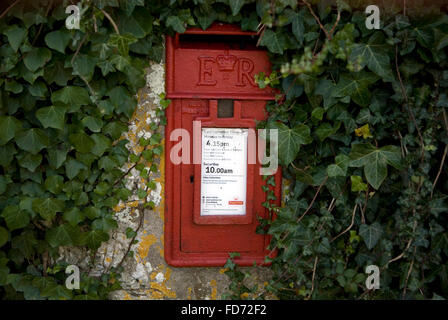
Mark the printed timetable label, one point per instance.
(223, 171)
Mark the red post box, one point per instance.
(213, 183)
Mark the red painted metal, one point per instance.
(198, 75)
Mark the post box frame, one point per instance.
(173, 252)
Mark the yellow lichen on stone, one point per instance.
(160, 209)
(167, 274)
(145, 243)
(244, 295)
(214, 293)
(163, 289)
(189, 290)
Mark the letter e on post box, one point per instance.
(213, 184)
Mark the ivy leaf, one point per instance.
(107, 3)
(273, 40)
(91, 212)
(130, 233)
(82, 142)
(357, 184)
(94, 238)
(340, 167)
(84, 66)
(136, 25)
(62, 235)
(36, 58)
(38, 89)
(205, 19)
(13, 86)
(7, 154)
(73, 216)
(122, 100)
(3, 184)
(106, 66)
(104, 224)
(15, 36)
(371, 234)
(9, 126)
(425, 36)
(58, 40)
(443, 42)
(32, 140)
(298, 29)
(30, 161)
(48, 207)
(122, 42)
(375, 161)
(15, 218)
(94, 124)
(4, 236)
(102, 143)
(130, 5)
(52, 117)
(324, 131)
(73, 167)
(71, 95)
(26, 243)
(175, 23)
(57, 292)
(374, 55)
(289, 141)
(363, 131)
(356, 86)
(291, 87)
(54, 183)
(236, 6)
(57, 73)
(57, 156)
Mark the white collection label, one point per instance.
(223, 171)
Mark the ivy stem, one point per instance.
(350, 226)
(408, 275)
(140, 224)
(317, 19)
(440, 170)
(9, 8)
(312, 278)
(111, 20)
(314, 199)
(411, 114)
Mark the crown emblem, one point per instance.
(226, 62)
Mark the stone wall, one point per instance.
(146, 274)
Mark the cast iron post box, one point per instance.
(213, 182)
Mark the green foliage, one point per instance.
(65, 97)
(364, 185)
(371, 196)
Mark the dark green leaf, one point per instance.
(371, 234)
(58, 40)
(32, 140)
(51, 117)
(9, 126)
(36, 58)
(82, 142)
(15, 218)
